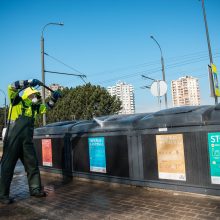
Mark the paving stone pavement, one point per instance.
(77, 199)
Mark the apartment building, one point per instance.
(125, 92)
(185, 91)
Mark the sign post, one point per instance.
(158, 88)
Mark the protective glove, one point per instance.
(56, 95)
(35, 82)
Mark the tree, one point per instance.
(83, 102)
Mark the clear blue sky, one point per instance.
(109, 40)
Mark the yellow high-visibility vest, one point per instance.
(22, 105)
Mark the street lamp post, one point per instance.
(162, 63)
(42, 65)
(5, 115)
(210, 52)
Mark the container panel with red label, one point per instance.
(47, 152)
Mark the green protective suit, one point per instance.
(19, 143)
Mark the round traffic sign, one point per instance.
(158, 88)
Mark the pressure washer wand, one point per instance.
(46, 87)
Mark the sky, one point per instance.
(108, 41)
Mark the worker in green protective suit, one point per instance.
(19, 140)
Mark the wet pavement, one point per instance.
(77, 199)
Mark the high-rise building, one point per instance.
(54, 87)
(185, 91)
(125, 92)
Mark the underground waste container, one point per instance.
(176, 148)
(101, 148)
(52, 144)
(181, 149)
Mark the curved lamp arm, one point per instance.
(51, 23)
